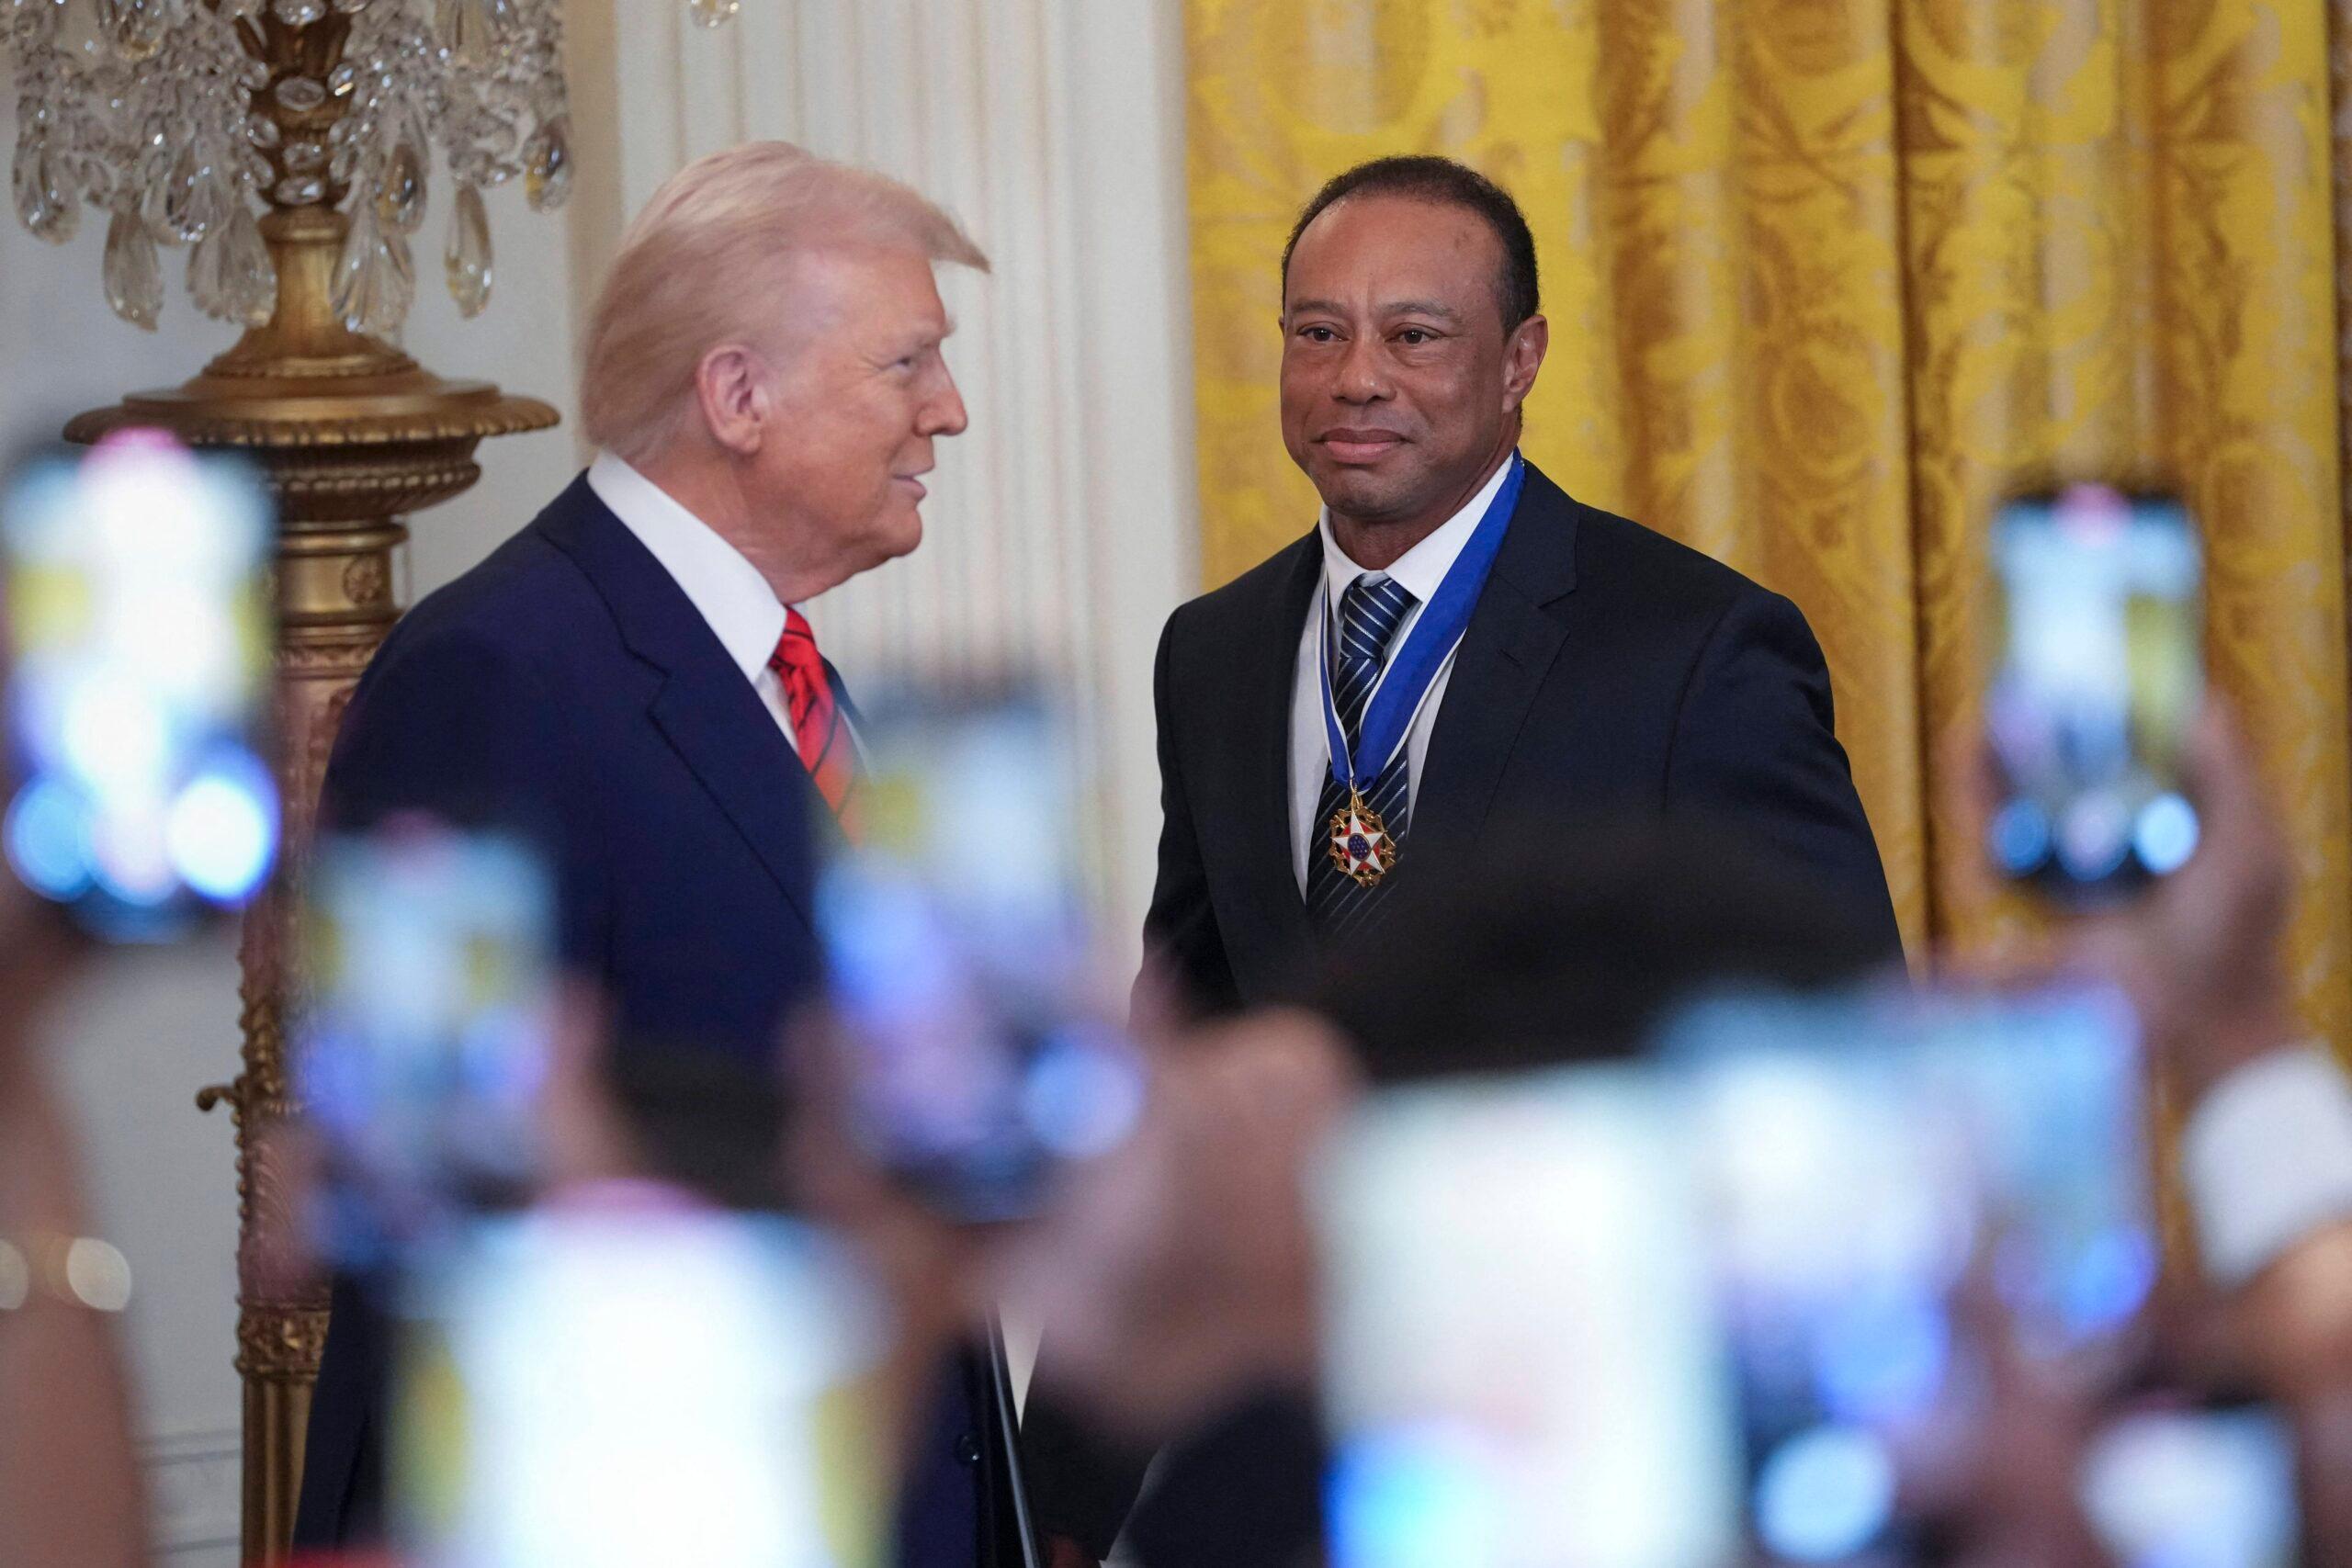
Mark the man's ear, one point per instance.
(731, 385)
(1522, 357)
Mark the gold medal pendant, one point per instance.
(1360, 845)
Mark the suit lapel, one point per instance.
(1262, 701)
(1515, 634)
(712, 717)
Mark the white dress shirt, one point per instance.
(724, 587)
(1418, 572)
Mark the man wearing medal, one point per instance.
(1458, 648)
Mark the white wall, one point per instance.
(1061, 529)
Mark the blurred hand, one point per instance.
(1996, 1472)
(1179, 1272)
(2202, 954)
(935, 1274)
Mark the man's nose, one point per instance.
(1360, 378)
(944, 414)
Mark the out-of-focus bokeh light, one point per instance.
(48, 839)
(2193, 1489)
(1423, 1496)
(1825, 1494)
(2019, 834)
(222, 830)
(1084, 1093)
(1883, 1357)
(2166, 834)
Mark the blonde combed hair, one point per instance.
(704, 263)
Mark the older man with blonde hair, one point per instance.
(630, 680)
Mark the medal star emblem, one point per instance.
(1360, 845)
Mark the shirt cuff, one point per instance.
(2267, 1160)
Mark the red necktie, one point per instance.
(817, 727)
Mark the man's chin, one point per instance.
(899, 536)
(1353, 492)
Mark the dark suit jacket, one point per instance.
(1606, 670)
(567, 688)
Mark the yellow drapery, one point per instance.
(1822, 276)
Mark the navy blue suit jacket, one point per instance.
(567, 688)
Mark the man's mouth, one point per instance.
(911, 482)
(1348, 444)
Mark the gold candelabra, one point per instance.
(352, 435)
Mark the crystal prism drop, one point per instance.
(341, 79)
(154, 204)
(301, 93)
(715, 12)
(546, 164)
(399, 286)
(262, 131)
(248, 276)
(135, 27)
(353, 297)
(467, 256)
(464, 28)
(183, 195)
(299, 13)
(233, 11)
(298, 190)
(305, 156)
(133, 270)
(400, 198)
(207, 280)
(45, 203)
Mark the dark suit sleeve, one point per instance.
(448, 723)
(1180, 929)
(451, 726)
(1756, 748)
(454, 725)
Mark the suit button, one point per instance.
(968, 1448)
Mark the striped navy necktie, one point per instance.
(1369, 612)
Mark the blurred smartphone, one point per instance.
(139, 663)
(1523, 1362)
(963, 967)
(637, 1382)
(1866, 1166)
(1689, 1312)
(2184, 1482)
(2098, 623)
(429, 961)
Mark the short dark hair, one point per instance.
(1445, 182)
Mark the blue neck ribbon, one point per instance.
(1389, 712)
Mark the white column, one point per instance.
(1062, 527)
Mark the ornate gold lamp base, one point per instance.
(351, 434)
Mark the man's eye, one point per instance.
(1319, 335)
(1415, 336)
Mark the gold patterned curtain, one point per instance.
(1822, 276)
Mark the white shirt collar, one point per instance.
(1420, 569)
(726, 589)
